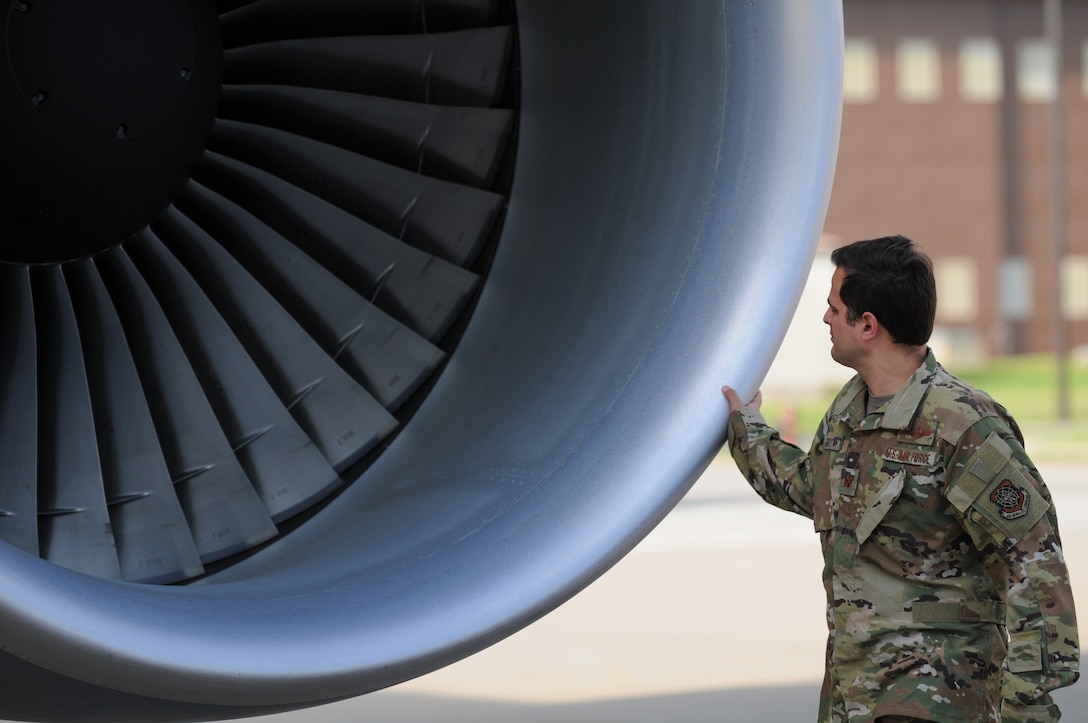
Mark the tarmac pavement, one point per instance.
(717, 616)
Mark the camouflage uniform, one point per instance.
(948, 598)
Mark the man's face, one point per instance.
(845, 341)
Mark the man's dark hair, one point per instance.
(890, 278)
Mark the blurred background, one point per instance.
(965, 127)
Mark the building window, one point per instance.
(918, 70)
(1084, 67)
(980, 70)
(1075, 287)
(957, 288)
(860, 68)
(1015, 292)
(1035, 81)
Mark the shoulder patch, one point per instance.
(1012, 501)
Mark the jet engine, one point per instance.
(340, 339)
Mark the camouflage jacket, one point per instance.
(948, 598)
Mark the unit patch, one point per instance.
(1011, 501)
(915, 457)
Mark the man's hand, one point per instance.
(735, 403)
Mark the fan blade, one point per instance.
(423, 292)
(169, 399)
(74, 524)
(441, 218)
(463, 68)
(462, 145)
(153, 540)
(286, 468)
(18, 412)
(342, 419)
(276, 19)
(389, 360)
(224, 512)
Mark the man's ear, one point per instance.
(869, 326)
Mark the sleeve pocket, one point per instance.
(1025, 652)
(994, 485)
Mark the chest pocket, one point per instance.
(912, 465)
(856, 499)
(865, 484)
(879, 505)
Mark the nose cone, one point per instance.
(107, 108)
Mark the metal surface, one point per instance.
(673, 166)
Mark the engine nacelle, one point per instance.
(673, 166)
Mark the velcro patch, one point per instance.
(916, 457)
(848, 480)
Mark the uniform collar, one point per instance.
(900, 412)
(903, 408)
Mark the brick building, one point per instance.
(946, 139)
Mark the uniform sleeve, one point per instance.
(1007, 510)
(778, 471)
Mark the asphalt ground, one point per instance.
(717, 616)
